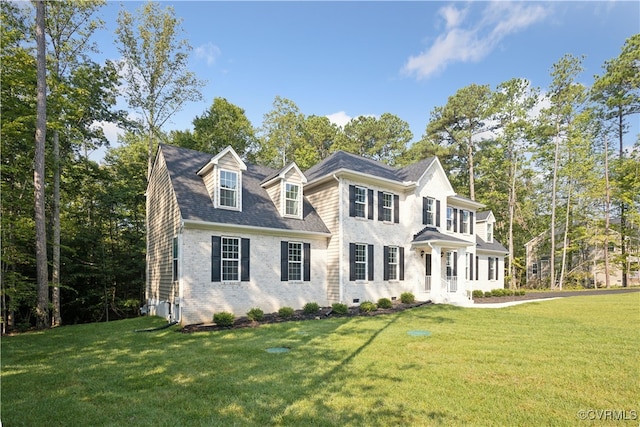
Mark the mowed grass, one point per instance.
(538, 363)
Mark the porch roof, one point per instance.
(432, 235)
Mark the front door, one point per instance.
(428, 267)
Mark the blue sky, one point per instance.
(346, 59)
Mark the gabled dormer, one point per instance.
(286, 190)
(485, 222)
(223, 178)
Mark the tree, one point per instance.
(154, 66)
(320, 134)
(384, 139)
(281, 135)
(69, 27)
(503, 163)
(461, 123)
(617, 92)
(42, 309)
(222, 125)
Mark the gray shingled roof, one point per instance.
(257, 207)
(482, 216)
(494, 246)
(343, 160)
(430, 234)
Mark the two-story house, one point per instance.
(226, 235)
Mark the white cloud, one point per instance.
(209, 52)
(465, 42)
(340, 118)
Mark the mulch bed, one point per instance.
(554, 294)
(298, 315)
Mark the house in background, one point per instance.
(585, 260)
(226, 235)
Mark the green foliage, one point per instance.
(223, 318)
(339, 308)
(286, 312)
(255, 314)
(407, 298)
(367, 306)
(487, 294)
(385, 303)
(311, 308)
(477, 293)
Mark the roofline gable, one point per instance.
(215, 159)
(282, 174)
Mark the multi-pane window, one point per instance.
(361, 261)
(392, 262)
(230, 258)
(387, 207)
(430, 211)
(492, 268)
(175, 259)
(465, 222)
(490, 233)
(295, 261)
(228, 189)
(292, 199)
(449, 219)
(534, 268)
(361, 201)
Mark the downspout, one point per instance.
(340, 248)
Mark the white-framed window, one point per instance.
(175, 259)
(465, 222)
(392, 262)
(534, 268)
(228, 191)
(492, 268)
(430, 211)
(490, 233)
(292, 199)
(361, 202)
(387, 207)
(449, 219)
(295, 261)
(230, 257)
(361, 261)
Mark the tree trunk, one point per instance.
(607, 207)
(472, 191)
(623, 220)
(42, 308)
(55, 270)
(552, 263)
(512, 206)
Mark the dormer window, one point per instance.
(489, 233)
(292, 199)
(228, 189)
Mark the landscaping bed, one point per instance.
(298, 315)
(533, 295)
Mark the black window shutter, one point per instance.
(401, 262)
(477, 268)
(385, 263)
(455, 220)
(352, 261)
(428, 264)
(370, 262)
(471, 221)
(307, 262)
(455, 263)
(461, 218)
(489, 268)
(284, 261)
(497, 262)
(424, 211)
(470, 266)
(437, 213)
(352, 200)
(370, 204)
(215, 259)
(396, 209)
(244, 261)
(380, 206)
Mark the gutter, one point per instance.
(340, 246)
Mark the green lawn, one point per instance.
(534, 364)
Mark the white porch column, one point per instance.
(462, 268)
(436, 274)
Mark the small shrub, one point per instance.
(255, 314)
(384, 303)
(367, 306)
(223, 318)
(286, 312)
(487, 294)
(497, 292)
(477, 294)
(339, 308)
(311, 308)
(407, 298)
(520, 292)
